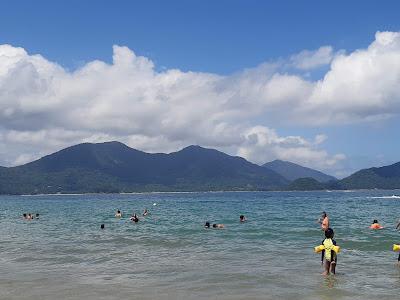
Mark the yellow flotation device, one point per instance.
(396, 248)
(336, 249)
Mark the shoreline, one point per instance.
(197, 192)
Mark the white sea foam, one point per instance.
(385, 197)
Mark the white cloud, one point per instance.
(320, 138)
(263, 144)
(307, 60)
(44, 107)
(24, 158)
(360, 86)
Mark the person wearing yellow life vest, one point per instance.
(398, 227)
(328, 256)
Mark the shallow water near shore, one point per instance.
(169, 255)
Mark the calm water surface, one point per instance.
(169, 255)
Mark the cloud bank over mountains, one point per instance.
(44, 107)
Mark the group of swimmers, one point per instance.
(30, 216)
(328, 246)
(134, 217)
(207, 225)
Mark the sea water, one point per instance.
(170, 255)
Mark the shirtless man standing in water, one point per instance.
(324, 221)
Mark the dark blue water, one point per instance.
(169, 255)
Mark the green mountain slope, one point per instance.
(114, 167)
(306, 184)
(387, 177)
(292, 171)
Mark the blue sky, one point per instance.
(221, 38)
(211, 36)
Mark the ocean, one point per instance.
(170, 255)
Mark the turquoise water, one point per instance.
(169, 255)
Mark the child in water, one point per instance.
(328, 256)
(375, 225)
(134, 218)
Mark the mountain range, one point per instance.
(113, 167)
(292, 171)
(386, 177)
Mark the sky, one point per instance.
(312, 82)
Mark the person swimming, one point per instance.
(29, 216)
(134, 218)
(242, 218)
(375, 225)
(102, 226)
(218, 226)
(37, 216)
(118, 214)
(328, 255)
(145, 212)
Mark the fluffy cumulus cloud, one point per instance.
(307, 60)
(44, 107)
(264, 144)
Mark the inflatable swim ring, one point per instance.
(336, 249)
